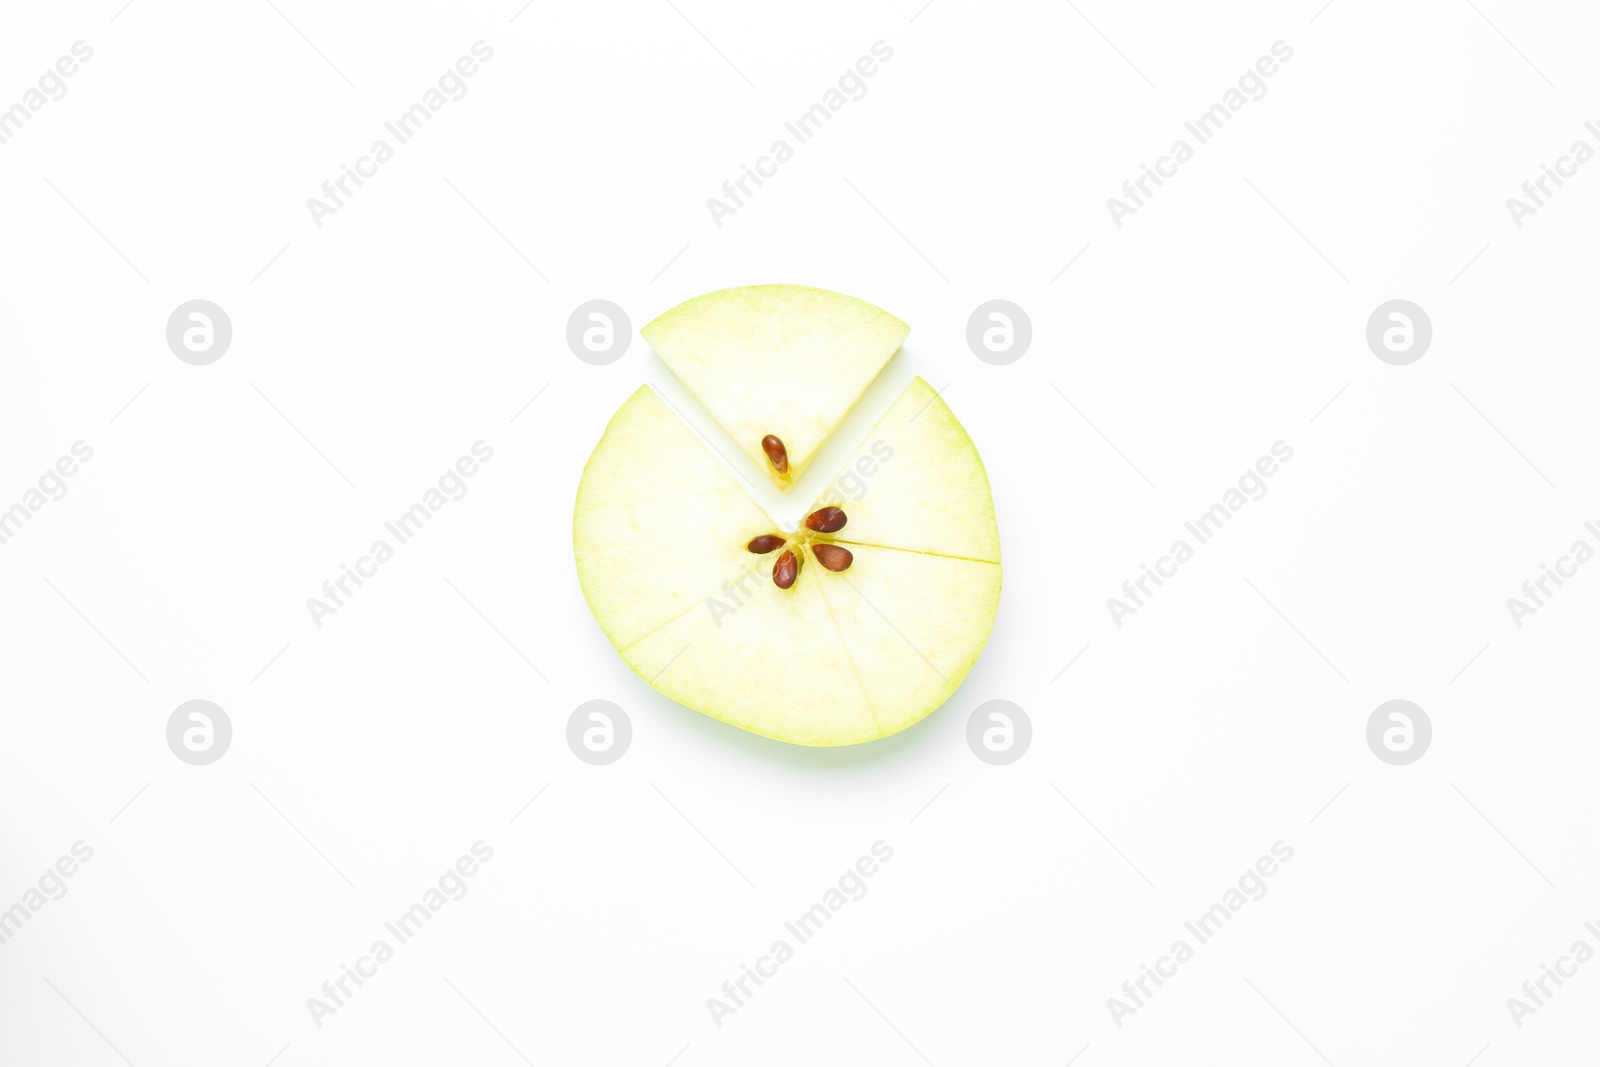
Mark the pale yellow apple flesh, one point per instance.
(660, 533)
(788, 361)
(917, 483)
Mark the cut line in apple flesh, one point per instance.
(777, 366)
(897, 499)
(840, 657)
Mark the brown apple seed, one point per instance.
(833, 557)
(765, 543)
(785, 570)
(826, 520)
(776, 454)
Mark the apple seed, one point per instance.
(776, 453)
(765, 543)
(826, 520)
(784, 571)
(833, 557)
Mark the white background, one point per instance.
(1224, 316)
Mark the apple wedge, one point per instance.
(686, 575)
(778, 366)
(917, 483)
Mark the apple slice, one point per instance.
(864, 641)
(778, 366)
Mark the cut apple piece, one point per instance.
(917, 483)
(801, 636)
(778, 366)
(774, 665)
(908, 622)
(659, 524)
